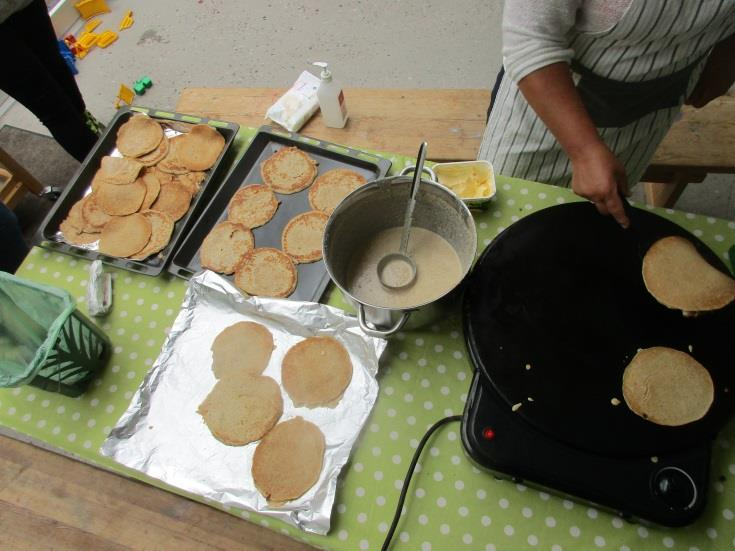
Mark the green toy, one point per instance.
(142, 85)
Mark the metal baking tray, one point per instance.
(312, 278)
(80, 184)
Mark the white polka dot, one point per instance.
(110, 408)
(642, 532)
(481, 494)
(359, 492)
(341, 508)
(668, 542)
(361, 518)
(374, 427)
(486, 520)
(423, 519)
(532, 540)
(411, 420)
(467, 539)
(441, 502)
(508, 529)
(506, 187)
(711, 533)
(45, 403)
(457, 355)
(71, 437)
(404, 537)
(406, 376)
(463, 511)
(425, 546)
(698, 232)
(575, 531)
(459, 485)
(503, 503)
(527, 512)
(592, 513)
(380, 500)
(398, 484)
(434, 451)
(41, 423)
(727, 513)
(719, 238)
(599, 541)
(425, 383)
(420, 492)
(461, 375)
(617, 522)
(342, 535)
(393, 435)
(378, 475)
(389, 390)
(56, 430)
(87, 444)
(422, 362)
(550, 522)
(438, 476)
(567, 504)
(408, 398)
(441, 368)
(358, 467)
(444, 529)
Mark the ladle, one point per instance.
(398, 270)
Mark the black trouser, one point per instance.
(13, 248)
(33, 72)
(498, 80)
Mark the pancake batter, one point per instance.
(438, 269)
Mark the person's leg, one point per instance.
(13, 248)
(34, 23)
(25, 77)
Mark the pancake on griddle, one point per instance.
(679, 277)
(667, 387)
(288, 171)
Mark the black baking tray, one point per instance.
(80, 184)
(312, 278)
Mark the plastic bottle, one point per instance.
(331, 98)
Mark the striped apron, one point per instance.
(655, 42)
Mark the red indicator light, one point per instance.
(488, 433)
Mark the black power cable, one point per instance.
(409, 474)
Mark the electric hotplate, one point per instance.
(554, 310)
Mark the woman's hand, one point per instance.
(597, 175)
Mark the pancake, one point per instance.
(172, 163)
(121, 200)
(288, 461)
(242, 409)
(667, 387)
(72, 227)
(303, 235)
(266, 272)
(252, 206)
(124, 236)
(160, 152)
(242, 348)
(138, 136)
(200, 147)
(192, 181)
(225, 246)
(333, 186)
(174, 200)
(289, 170)
(118, 170)
(316, 371)
(152, 188)
(162, 226)
(680, 278)
(94, 217)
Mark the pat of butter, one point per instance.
(468, 180)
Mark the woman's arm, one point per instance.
(597, 174)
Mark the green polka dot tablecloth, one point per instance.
(424, 376)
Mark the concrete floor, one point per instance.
(257, 43)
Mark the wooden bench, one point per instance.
(15, 181)
(453, 120)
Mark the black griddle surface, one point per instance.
(561, 291)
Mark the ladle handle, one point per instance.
(408, 219)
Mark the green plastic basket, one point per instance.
(45, 341)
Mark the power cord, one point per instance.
(409, 474)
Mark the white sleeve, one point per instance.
(535, 34)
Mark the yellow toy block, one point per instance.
(86, 40)
(106, 38)
(92, 25)
(127, 21)
(90, 8)
(124, 95)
